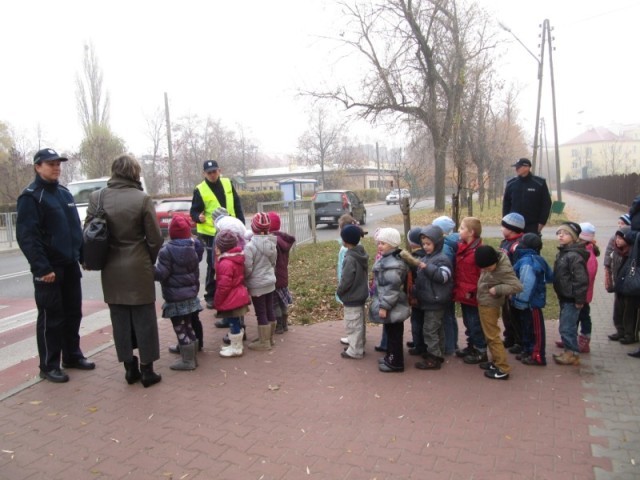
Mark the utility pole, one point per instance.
(378, 162)
(169, 147)
(553, 101)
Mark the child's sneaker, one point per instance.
(496, 374)
(474, 357)
(533, 361)
(487, 365)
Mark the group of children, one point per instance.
(251, 268)
(443, 268)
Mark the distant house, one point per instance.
(354, 178)
(598, 151)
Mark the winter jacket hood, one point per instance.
(534, 273)
(231, 292)
(177, 269)
(390, 274)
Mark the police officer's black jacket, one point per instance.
(48, 226)
(529, 196)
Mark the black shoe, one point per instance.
(461, 353)
(418, 350)
(615, 336)
(209, 304)
(385, 367)
(378, 348)
(475, 357)
(174, 348)
(627, 340)
(430, 363)
(508, 343)
(80, 364)
(515, 349)
(132, 371)
(487, 365)
(223, 323)
(410, 344)
(149, 377)
(635, 354)
(496, 374)
(56, 376)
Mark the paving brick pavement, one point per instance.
(301, 411)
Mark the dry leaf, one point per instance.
(93, 409)
(375, 395)
(115, 440)
(308, 471)
(150, 417)
(274, 387)
(36, 402)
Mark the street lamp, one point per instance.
(539, 62)
(546, 36)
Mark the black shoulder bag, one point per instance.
(96, 239)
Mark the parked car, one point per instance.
(81, 190)
(394, 196)
(167, 208)
(330, 205)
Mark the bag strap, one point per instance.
(100, 209)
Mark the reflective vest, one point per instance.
(211, 203)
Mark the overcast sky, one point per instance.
(242, 63)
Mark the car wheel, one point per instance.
(364, 218)
(388, 203)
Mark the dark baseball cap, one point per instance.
(210, 166)
(47, 155)
(523, 162)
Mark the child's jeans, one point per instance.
(234, 325)
(569, 315)
(450, 329)
(417, 326)
(471, 319)
(355, 327)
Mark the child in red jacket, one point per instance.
(465, 290)
(231, 297)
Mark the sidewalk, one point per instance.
(301, 411)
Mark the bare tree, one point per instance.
(99, 145)
(16, 169)
(155, 169)
(320, 144)
(418, 53)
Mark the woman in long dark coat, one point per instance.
(127, 278)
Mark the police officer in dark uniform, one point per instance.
(213, 192)
(50, 236)
(529, 196)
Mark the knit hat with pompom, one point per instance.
(260, 223)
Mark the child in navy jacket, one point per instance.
(534, 273)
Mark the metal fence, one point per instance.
(8, 229)
(297, 218)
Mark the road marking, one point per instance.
(18, 320)
(9, 276)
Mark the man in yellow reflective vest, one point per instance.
(214, 192)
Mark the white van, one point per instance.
(83, 188)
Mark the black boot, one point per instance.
(132, 374)
(149, 377)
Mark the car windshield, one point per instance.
(326, 197)
(174, 206)
(81, 191)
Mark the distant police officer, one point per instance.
(529, 196)
(50, 236)
(214, 192)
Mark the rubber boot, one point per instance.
(235, 349)
(149, 377)
(583, 343)
(132, 374)
(264, 339)
(188, 357)
(273, 326)
(175, 349)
